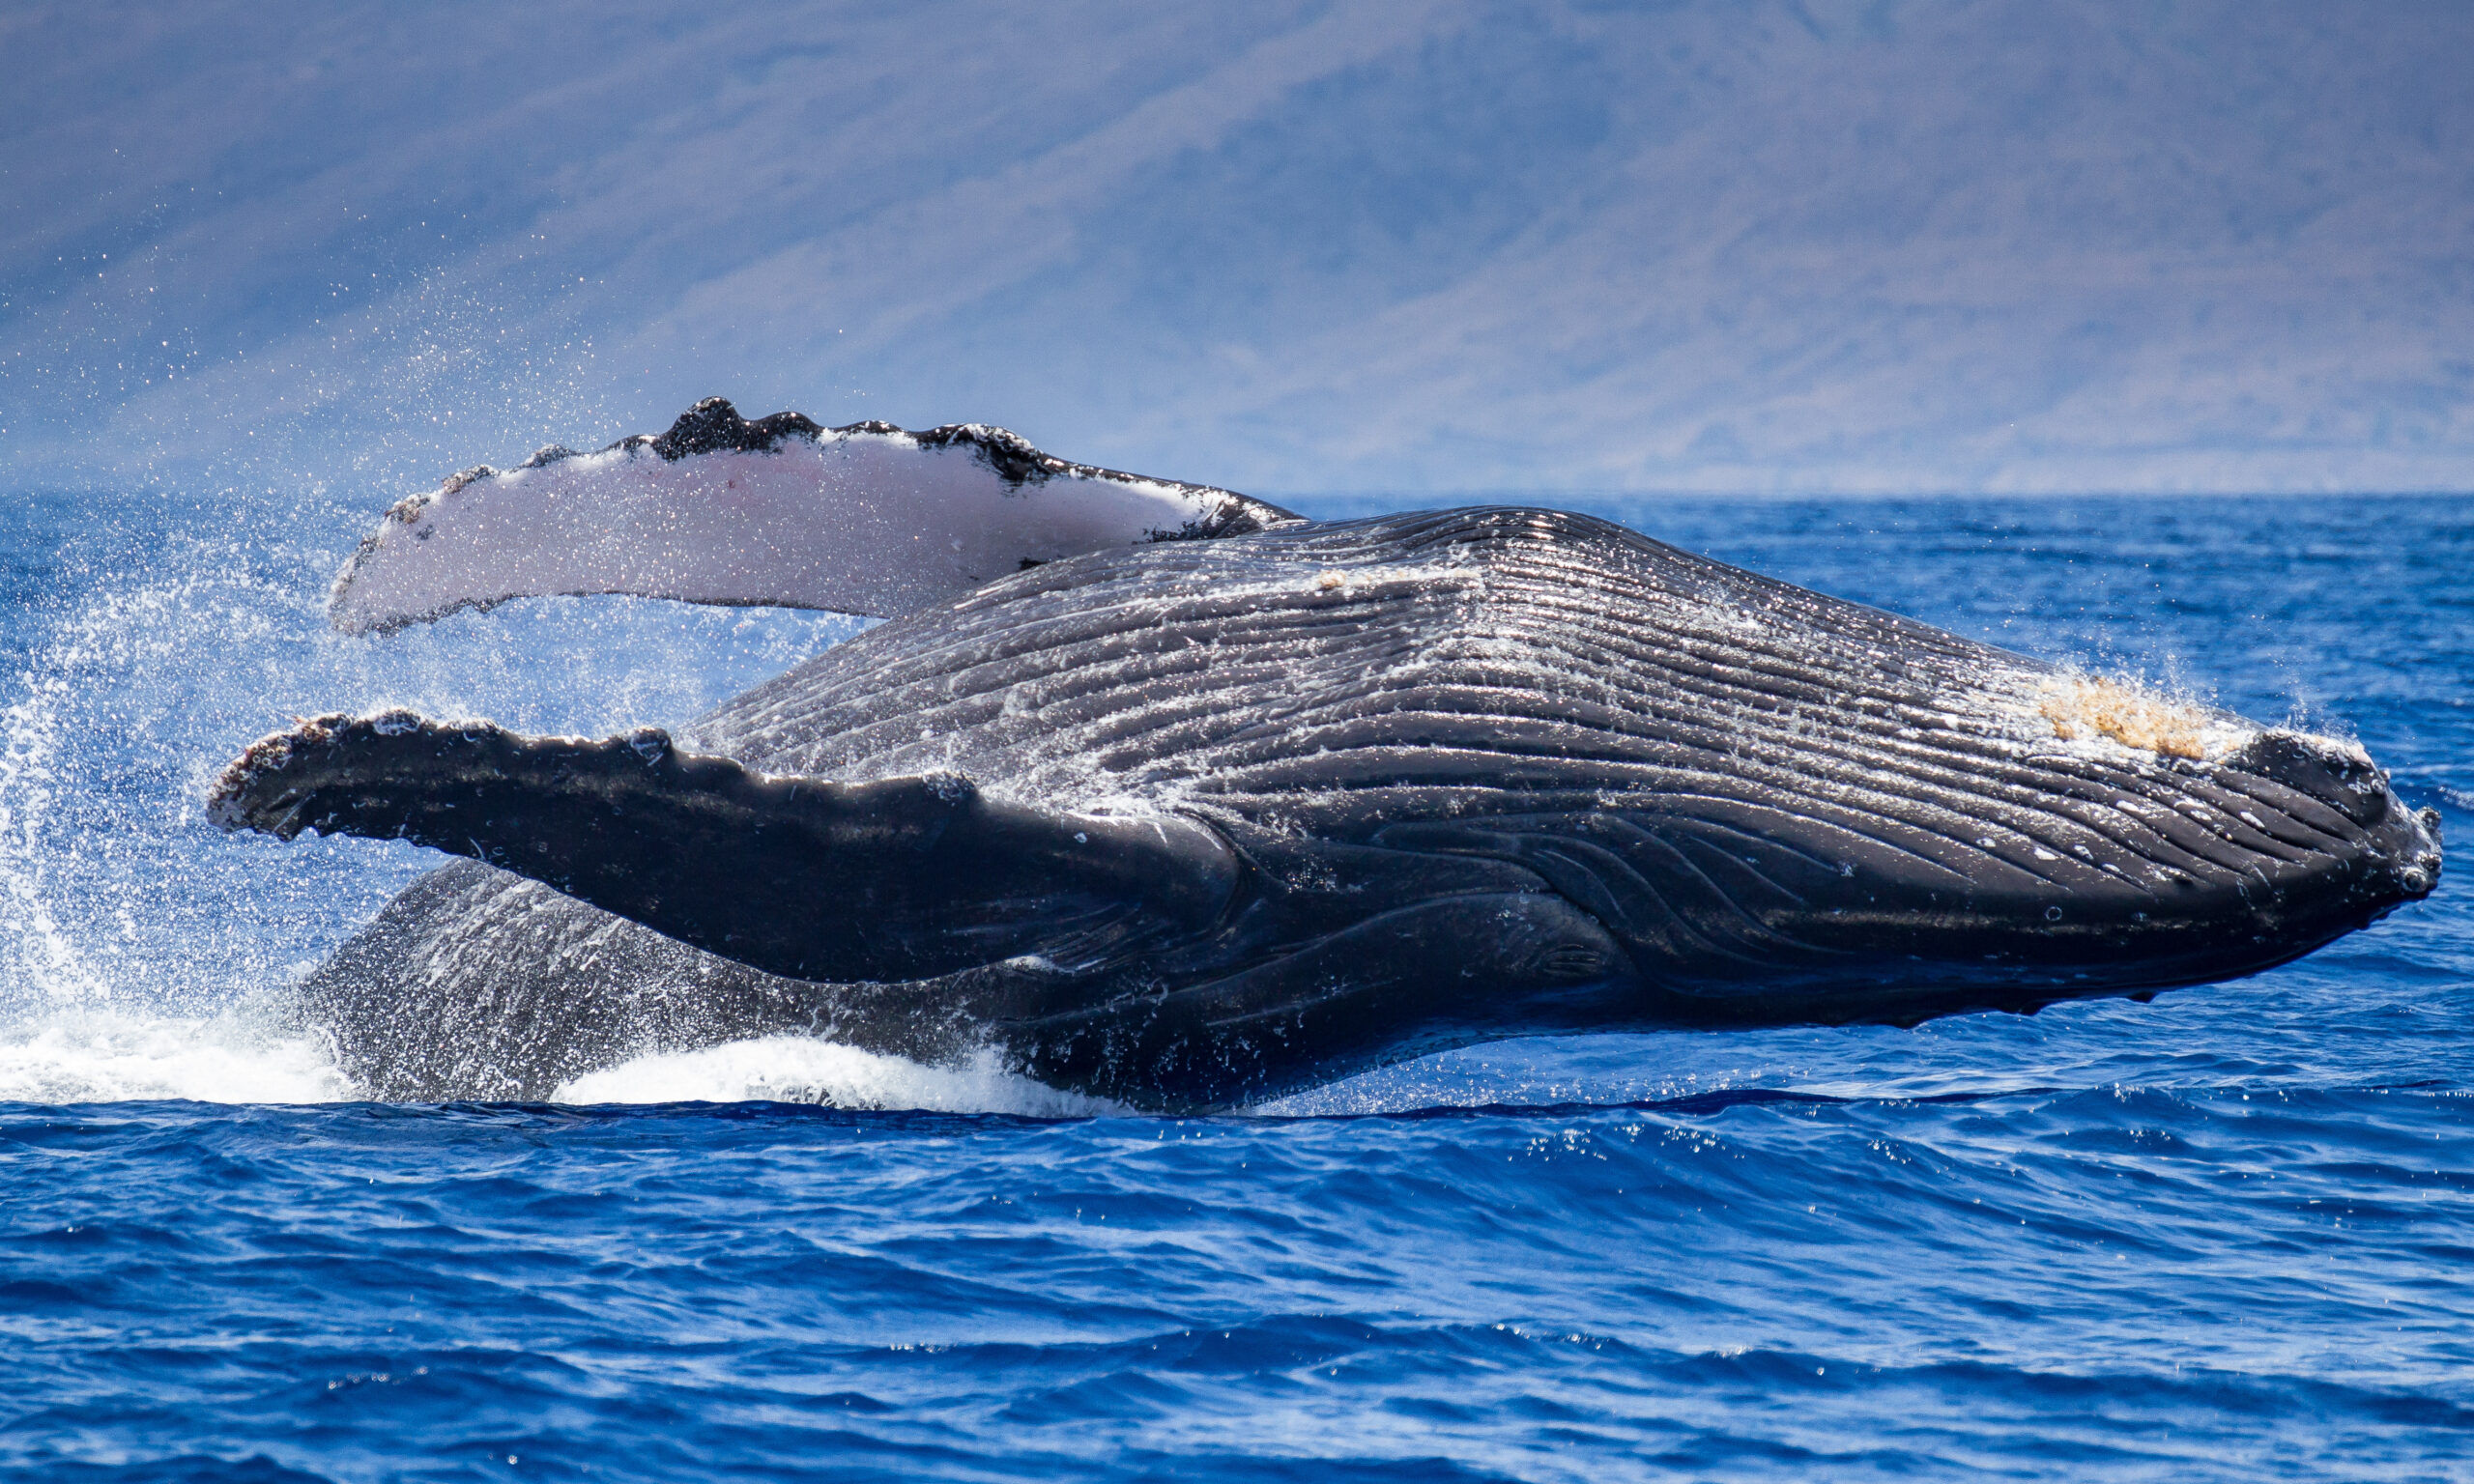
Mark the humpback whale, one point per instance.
(1168, 795)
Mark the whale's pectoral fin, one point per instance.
(897, 879)
(866, 519)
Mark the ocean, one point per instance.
(2228, 1235)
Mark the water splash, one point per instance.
(94, 1053)
(797, 1069)
(170, 635)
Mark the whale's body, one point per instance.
(1359, 790)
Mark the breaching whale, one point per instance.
(1170, 796)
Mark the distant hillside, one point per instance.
(1284, 246)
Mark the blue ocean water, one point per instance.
(2225, 1236)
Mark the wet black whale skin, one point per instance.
(1464, 775)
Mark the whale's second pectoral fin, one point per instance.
(897, 879)
(866, 519)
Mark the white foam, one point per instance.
(101, 1054)
(94, 1054)
(797, 1069)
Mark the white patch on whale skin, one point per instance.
(855, 522)
(800, 1069)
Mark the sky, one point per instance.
(1418, 248)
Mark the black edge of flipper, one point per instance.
(897, 879)
(715, 424)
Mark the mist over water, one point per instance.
(150, 639)
(2221, 1236)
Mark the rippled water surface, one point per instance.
(2225, 1236)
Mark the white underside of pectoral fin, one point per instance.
(866, 520)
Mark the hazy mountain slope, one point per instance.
(1284, 246)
